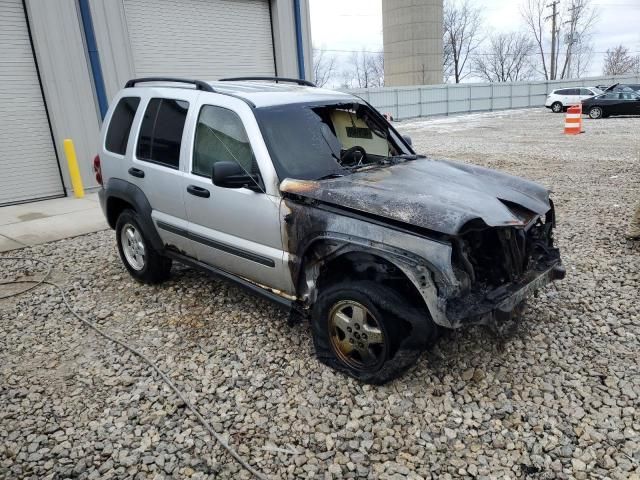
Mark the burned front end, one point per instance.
(498, 267)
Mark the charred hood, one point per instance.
(438, 195)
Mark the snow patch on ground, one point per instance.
(458, 122)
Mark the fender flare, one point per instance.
(133, 195)
(423, 275)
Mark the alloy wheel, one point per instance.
(356, 336)
(133, 246)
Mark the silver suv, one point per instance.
(310, 198)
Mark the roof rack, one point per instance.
(299, 81)
(199, 84)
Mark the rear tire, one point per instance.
(367, 331)
(595, 113)
(141, 260)
(556, 107)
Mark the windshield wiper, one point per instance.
(386, 161)
(406, 156)
(330, 175)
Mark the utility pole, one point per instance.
(554, 35)
(575, 14)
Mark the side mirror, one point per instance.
(407, 139)
(232, 175)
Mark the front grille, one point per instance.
(496, 256)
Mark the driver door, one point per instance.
(234, 229)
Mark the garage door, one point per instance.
(28, 164)
(205, 39)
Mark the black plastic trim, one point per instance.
(199, 84)
(136, 172)
(299, 81)
(267, 262)
(134, 196)
(198, 191)
(241, 282)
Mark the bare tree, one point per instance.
(582, 55)
(447, 63)
(507, 58)
(364, 70)
(579, 26)
(324, 66)
(619, 61)
(572, 37)
(462, 37)
(376, 66)
(533, 13)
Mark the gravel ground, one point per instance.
(558, 399)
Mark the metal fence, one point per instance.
(427, 100)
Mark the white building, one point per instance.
(61, 62)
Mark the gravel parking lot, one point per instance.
(558, 399)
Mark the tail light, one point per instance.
(97, 169)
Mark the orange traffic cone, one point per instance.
(573, 122)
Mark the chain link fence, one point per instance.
(447, 99)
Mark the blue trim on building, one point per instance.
(299, 46)
(94, 56)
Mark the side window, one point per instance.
(120, 126)
(574, 91)
(221, 137)
(584, 91)
(564, 91)
(161, 131)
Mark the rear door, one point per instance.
(157, 159)
(585, 93)
(234, 229)
(572, 96)
(630, 104)
(616, 103)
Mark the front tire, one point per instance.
(367, 331)
(556, 107)
(140, 259)
(595, 113)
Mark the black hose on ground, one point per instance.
(44, 281)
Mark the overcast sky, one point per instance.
(344, 25)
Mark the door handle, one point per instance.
(136, 172)
(198, 191)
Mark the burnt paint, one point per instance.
(437, 195)
(314, 236)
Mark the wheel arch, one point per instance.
(558, 102)
(331, 259)
(120, 195)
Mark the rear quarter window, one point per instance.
(120, 125)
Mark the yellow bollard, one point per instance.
(74, 171)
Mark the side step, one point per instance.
(284, 303)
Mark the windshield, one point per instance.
(313, 141)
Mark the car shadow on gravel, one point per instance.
(455, 351)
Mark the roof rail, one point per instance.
(299, 81)
(199, 84)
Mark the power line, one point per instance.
(334, 50)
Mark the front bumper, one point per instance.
(484, 307)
